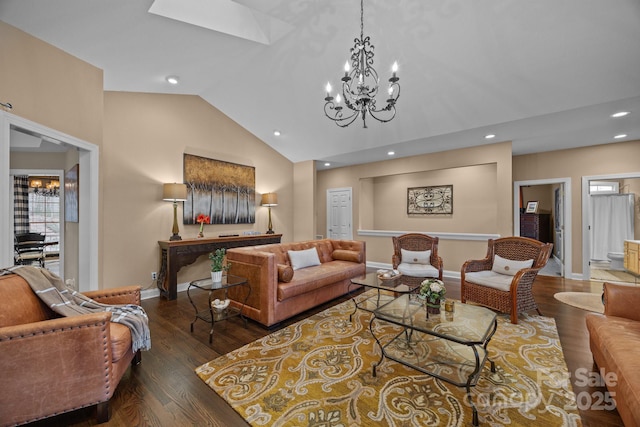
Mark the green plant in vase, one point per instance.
(218, 264)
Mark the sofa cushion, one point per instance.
(285, 273)
(418, 270)
(509, 266)
(415, 257)
(347, 255)
(309, 279)
(491, 279)
(304, 258)
(617, 339)
(120, 340)
(21, 306)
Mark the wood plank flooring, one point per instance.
(165, 391)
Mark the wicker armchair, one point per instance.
(416, 242)
(503, 290)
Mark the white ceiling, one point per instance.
(545, 74)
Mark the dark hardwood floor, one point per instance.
(165, 391)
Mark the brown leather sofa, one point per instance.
(614, 338)
(278, 292)
(52, 365)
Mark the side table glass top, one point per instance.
(227, 281)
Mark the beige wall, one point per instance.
(145, 136)
(482, 196)
(304, 220)
(607, 159)
(48, 86)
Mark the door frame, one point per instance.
(566, 235)
(341, 189)
(88, 159)
(586, 216)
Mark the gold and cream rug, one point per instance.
(318, 372)
(612, 276)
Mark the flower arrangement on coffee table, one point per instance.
(432, 291)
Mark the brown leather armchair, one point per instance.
(52, 365)
(505, 284)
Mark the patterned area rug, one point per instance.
(318, 372)
(584, 300)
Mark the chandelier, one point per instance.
(360, 86)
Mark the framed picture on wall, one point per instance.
(430, 200)
(532, 207)
(71, 178)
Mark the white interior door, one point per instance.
(339, 214)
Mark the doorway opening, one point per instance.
(553, 211)
(611, 216)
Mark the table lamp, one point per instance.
(174, 193)
(269, 200)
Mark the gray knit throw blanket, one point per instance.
(68, 302)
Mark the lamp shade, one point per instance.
(269, 199)
(174, 192)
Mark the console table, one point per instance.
(175, 254)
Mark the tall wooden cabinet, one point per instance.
(536, 226)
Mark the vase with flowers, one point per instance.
(202, 219)
(218, 264)
(432, 291)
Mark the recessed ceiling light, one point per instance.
(620, 114)
(622, 135)
(391, 153)
(327, 164)
(173, 80)
(276, 132)
(490, 136)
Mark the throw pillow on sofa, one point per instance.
(508, 266)
(285, 273)
(305, 258)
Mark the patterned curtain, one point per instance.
(20, 204)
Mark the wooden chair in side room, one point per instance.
(503, 280)
(29, 248)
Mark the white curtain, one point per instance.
(612, 219)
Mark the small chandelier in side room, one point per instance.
(360, 87)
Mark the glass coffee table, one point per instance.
(451, 346)
(371, 280)
(210, 314)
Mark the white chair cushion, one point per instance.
(490, 279)
(418, 270)
(415, 257)
(305, 258)
(508, 266)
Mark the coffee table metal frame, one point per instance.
(371, 280)
(463, 335)
(210, 315)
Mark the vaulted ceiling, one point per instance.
(545, 74)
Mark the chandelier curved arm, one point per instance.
(335, 113)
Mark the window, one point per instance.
(604, 187)
(44, 217)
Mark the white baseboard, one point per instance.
(155, 292)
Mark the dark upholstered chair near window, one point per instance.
(29, 248)
(503, 280)
(415, 255)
